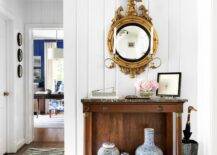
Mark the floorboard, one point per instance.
(49, 135)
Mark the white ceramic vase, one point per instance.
(149, 148)
(108, 149)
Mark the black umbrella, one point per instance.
(187, 132)
(190, 147)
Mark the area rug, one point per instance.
(39, 151)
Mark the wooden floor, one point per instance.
(45, 138)
(49, 135)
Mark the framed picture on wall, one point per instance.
(19, 39)
(37, 61)
(19, 55)
(37, 74)
(19, 71)
(169, 84)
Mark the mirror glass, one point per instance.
(132, 42)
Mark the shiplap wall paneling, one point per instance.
(44, 11)
(174, 35)
(159, 11)
(82, 65)
(93, 21)
(188, 57)
(99, 22)
(96, 45)
(214, 48)
(110, 74)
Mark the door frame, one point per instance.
(29, 128)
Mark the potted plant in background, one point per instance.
(146, 89)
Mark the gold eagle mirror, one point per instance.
(132, 40)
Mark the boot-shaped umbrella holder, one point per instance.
(189, 147)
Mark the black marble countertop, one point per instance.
(135, 100)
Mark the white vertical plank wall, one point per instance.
(99, 20)
(174, 20)
(109, 74)
(93, 21)
(96, 45)
(82, 65)
(44, 12)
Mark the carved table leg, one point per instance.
(178, 134)
(88, 133)
(169, 134)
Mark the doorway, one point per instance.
(3, 86)
(48, 85)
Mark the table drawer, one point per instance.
(132, 108)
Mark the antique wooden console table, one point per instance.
(122, 121)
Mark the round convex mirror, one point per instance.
(132, 42)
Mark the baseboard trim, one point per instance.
(15, 146)
(29, 140)
(21, 143)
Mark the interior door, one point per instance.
(2, 86)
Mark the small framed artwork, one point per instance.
(19, 39)
(37, 74)
(19, 71)
(37, 61)
(169, 84)
(19, 55)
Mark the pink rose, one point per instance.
(146, 86)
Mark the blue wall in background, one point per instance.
(39, 51)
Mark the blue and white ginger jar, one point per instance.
(149, 148)
(108, 149)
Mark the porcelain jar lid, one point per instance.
(108, 145)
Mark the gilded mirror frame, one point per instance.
(132, 16)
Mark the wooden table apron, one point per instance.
(168, 107)
(47, 96)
